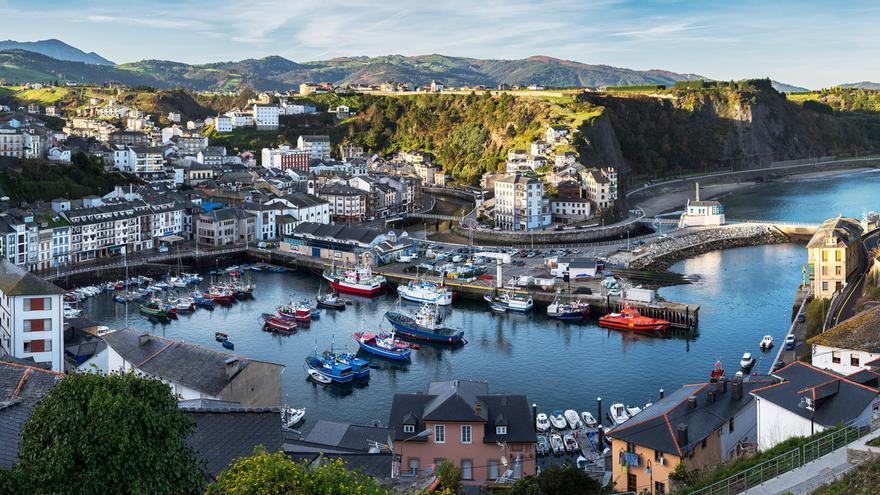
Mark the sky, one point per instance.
(807, 43)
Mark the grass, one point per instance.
(43, 96)
(863, 480)
(874, 443)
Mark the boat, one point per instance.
(570, 311)
(360, 368)
(573, 419)
(330, 300)
(512, 301)
(617, 414)
(319, 377)
(122, 297)
(767, 343)
(220, 336)
(204, 302)
(558, 420)
(425, 292)
(556, 444)
(747, 361)
(228, 345)
(290, 417)
(497, 308)
(542, 445)
(383, 345)
(277, 324)
(629, 318)
(588, 419)
(570, 442)
(220, 295)
(425, 326)
(717, 372)
(359, 281)
(154, 309)
(633, 410)
(71, 312)
(541, 422)
(330, 368)
(186, 304)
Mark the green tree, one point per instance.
(557, 480)
(107, 434)
(450, 476)
(275, 474)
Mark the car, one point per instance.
(778, 365)
(790, 342)
(801, 318)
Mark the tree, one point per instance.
(119, 433)
(450, 476)
(275, 474)
(557, 480)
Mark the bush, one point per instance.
(557, 480)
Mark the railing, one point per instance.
(774, 222)
(788, 461)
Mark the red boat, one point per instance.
(717, 372)
(279, 325)
(630, 319)
(359, 281)
(220, 296)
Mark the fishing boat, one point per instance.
(122, 297)
(556, 444)
(154, 309)
(541, 422)
(319, 377)
(747, 361)
(297, 313)
(572, 418)
(359, 367)
(290, 416)
(588, 419)
(185, 304)
(359, 281)
(558, 420)
(334, 370)
(203, 302)
(573, 310)
(331, 300)
(424, 326)
(617, 414)
(497, 308)
(629, 318)
(383, 345)
(425, 292)
(511, 301)
(220, 336)
(220, 295)
(274, 323)
(571, 444)
(717, 372)
(542, 446)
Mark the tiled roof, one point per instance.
(337, 232)
(845, 230)
(859, 333)
(15, 281)
(21, 388)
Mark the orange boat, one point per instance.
(630, 319)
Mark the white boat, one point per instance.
(512, 301)
(318, 377)
(574, 421)
(426, 291)
(747, 361)
(186, 304)
(556, 444)
(290, 417)
(558, 420)
(72, 312)
(633, 410)
(541, 422)
(178, 282)
(767, 342)
(618, 414)
(588, 419)
(571, 444)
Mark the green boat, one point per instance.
(153, 309)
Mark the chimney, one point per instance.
(143, 339)
(682, 436)
(478, 408)
(232, 367)
(692, 402)
(662, 393)
(737, 392)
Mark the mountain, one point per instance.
(862, 85)
(278, 73)
(787, 88)
(56, 49)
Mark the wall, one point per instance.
(17, 315)
(822, 356)
(644, 480)
(776, 424)
(745, 429)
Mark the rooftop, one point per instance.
(15, 281)
(859, 333)
(844, 230)
(21, 388)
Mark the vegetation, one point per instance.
(637, 88)
(557, 480)
(863, 480)
(449, 476)
(817, 310)
(275, 474)
(33, 180)
(106, 434)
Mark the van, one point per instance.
(457, 258)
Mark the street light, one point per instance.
(422, 434)
(807, 403)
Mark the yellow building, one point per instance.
(833, 255)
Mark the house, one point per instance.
(174, 117)
(264, 227)
(575, 268)
(22, 387)
(317, 146)
(311, 88)
(539, 147)
(567, 210)
(557, 134)
(192, 371)
(351, 245)
(436, 87)
(833, 255)
(143, 161)
(466, 425)
(520, 203)
(285, 158)
(701, 213)
(301, 207)
(600, 186)
(212, 156)
(265, 117)
(363, 448)
(223, 123)
(60, 154)
(349, 151)
(226, 226)
(31, 317)
(698, 425)
(809, 400)
(849, 346)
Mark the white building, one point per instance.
(298, 208)
(702, 213)
(317, 146)
(848, 347)
(174, 116)
(520, 203)
(285, 158)
(600, 186)
(58, 154)
(140, 160)
(566, 210)
(31, 317)
(265, 117)
(240, 119)
(223, 123)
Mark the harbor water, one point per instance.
(744, 294)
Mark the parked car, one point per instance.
(778, 365)
(801, 318)
(790, 342)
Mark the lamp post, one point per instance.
(650, 472)
(807, 403)
(422, 434)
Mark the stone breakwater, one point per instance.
(661, 255)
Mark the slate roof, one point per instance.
(21, 388)
(374, 465)
(457, 400)
(860, 333)
(305, 200)
(837, 399)
(222, 214)
(337, 232)
(347, 436)
(15, 281)
(196, 367)
(656, 426)
(845, 230)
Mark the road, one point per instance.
(853, 291)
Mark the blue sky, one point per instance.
(808, 43)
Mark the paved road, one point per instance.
(853, 291)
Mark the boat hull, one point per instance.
(568, 315)
(360, 290)
(404, 355)
(407, 327)
(634, 327)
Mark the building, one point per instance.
(363, 448)
(348, 245)
(311, 88)
(557, 134)
(567, 210)
(11, 142)
(174, 117)
(223, 123)
(142, 161)
(346, 203)
(698, 425)
(520, 203)
(701, 213)
(600, 186)
(809, 400)
(264, 216)
(192, 371)
(468, 426)
(436, 87)
(349, 151)
(265, 117)
(31, 317)
(58, 154)
(849, 346)
(19, 237)
(225, 226)
(23, 388)
(833, 255)
(317, 146)
(130, 138)
(285, 158)
(299, 207)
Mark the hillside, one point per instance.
(20, 66)
(787, 88)
(56, 49)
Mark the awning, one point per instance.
(171, 238)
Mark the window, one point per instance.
(413, 466)
(658, 455)
(835, 357)
(659, 488)
(492, 469)
(824, 285)
(501, 430)
(704, 444)
(37, 304)
(38, 325)
(838, 270)
(38, 346)
(824, 269)
(854, 360)
(824, 255)
(409, 428)
(837, 255)
(439, 434)
(467, 469)
(730, 425)
(465, 434)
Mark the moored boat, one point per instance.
(571, 444)
(511, 301)
(558, 420)
(360, 280)
(747, 361)
(332, 369)
(220, 336)
(588, 419)
(275, 323)
(629, 318)
(290, 416)
(425, 292)
(541, 422)
(383, 345)
(572, 418)
(425, 326)
(331, 300)
(360, 368)
(556, 444)
(154, 309)
(318, 376)
(617, 414)
(568, 311)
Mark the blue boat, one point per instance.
(227, 344)
(423, 327)
(382, 345)
(204, 302)
(335, 371)
(359, 367)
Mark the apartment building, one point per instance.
(833, 255)
(317, 146)
(265, 117)
(142, 161)
(346, 203)
(600, 186)
(285, 158)
(520, 203)
(226, 226)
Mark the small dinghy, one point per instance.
(571, 444)
(588, 419)
(574, 421)
(556, 444)
(497, 308)
(633, 410)
(747, 361)
(543, 445)
(227, 344)
(220, 337)
(318, 377)
(558, 420)
(541, 422)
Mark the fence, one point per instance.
(793, 459)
